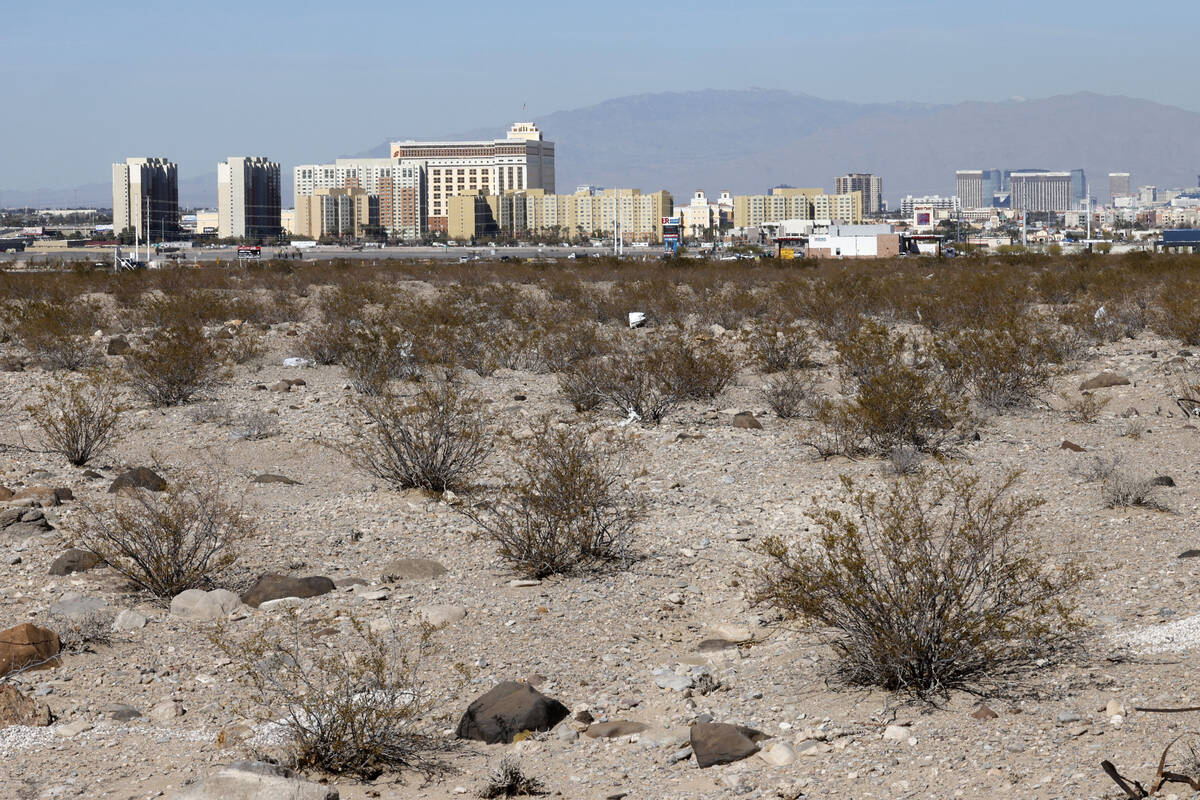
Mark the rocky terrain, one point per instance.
(637, 656)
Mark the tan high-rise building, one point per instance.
(399, 188)
(522, 160)
(146, 197)
(760, 209)
(638, 215)
(871, 187)
(335, 213)
(248, 202)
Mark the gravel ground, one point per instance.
(594, 642)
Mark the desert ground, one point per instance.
(621, 641)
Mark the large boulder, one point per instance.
(255, 780)
(138, 478)
(27, 646)
(23, 522)
(74, 560)
(274, 587)
(17, 709)
(198, 604)
(720, 743)
(507, 710)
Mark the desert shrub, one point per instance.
(893, 400)
(557, 348)
(352, 710)
(904, 460)
(78, 418)
(166, 542)
(929, 586)
(838, 430)
(780, 347)
(188, 308)
(254, 425)
(578, 384)
(509, 780)
(325, 343)
(567, 509)
(78, 632)
(1086, 408)
(59, 334)
(788, 393)
(1006, 366)
(1120, 485)
(174, 366)
(1177, 312)
(635, 380)
(376, 355)
(696, 370)
(435, 440)
(245, 346)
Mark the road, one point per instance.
(325, 253)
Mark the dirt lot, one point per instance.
(594, 640)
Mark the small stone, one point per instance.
(167, 710)
(778, 754)
(120, 712)
(72, 729)
(1163, 480)
(1103, 381)
(1065, 717)
(74, 560)
(138, 478)
(268, 477)
(614, 729)
(406, 569)
(746, 420)
(281, 386)
(896, 733)
(1069, 445)
(1114, 708)
(676, 683)
(983, 712)
(523, 583)
(129, 620)
(1189, 554)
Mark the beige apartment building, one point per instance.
(335, 212)
(398, 186)
(522, 160)
(638, 215)
(791, 203)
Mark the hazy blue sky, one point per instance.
(299, 81)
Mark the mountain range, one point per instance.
(748, 140)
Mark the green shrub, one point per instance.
(929, 586)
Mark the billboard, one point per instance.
(671, 228)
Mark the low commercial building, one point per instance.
(852, 245)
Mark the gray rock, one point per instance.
(138, 478)
(197, 604)
(268, 477)
(74, 560)
(255, 780)
(614, 729)
(120, 712)
(76, 607)
(167, 710)
(666, 679)
(273, 587)
(720, 743)
(507, 710)
(1068, 716)
(408, 569)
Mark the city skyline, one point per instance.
(177, 92)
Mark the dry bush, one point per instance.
(893, 400)
(568, 509)
(1177, 312)
(434, 441)
(788, 393)
(559, 347)
(187, 308)
(79, 632)
(377, 354)
(78, 418)
(578, 384)
(254, 425)
(166, 542)
(904, 460)
(1123, 488)
(838, 431)
(352, 710)
(781, 347)
(635, 381)
(325, 343)
(1086, 408)
(509, 780)
(1006, 366)
(245, 346)
(696, 370)
(59, 335)
(174, 366)
(929, 586)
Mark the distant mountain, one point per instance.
(746, 141)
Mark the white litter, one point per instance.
(637, 319)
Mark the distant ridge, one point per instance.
(748, 140)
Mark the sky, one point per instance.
(90, 83)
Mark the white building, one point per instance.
(399, 185)
(520, 161)
(1041, 191)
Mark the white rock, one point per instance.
(279, 603)
(439, 615)
(255, 781)
(1115, 708)
(198, 604)
(72, 729)
(732, 633)
(166, 711)
(777, 754)
(129, 620)
(896, 733)
(521, 583)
